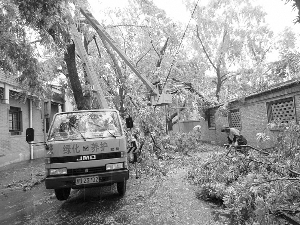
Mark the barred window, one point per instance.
(282, 110)
(211, 119)
(15, 120)
(235, 119)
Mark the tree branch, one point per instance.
(142, 57)
(33, 42)
(127, 25)
(161, 53)
(264, 54)
(117, 69)
(277, 179)
(221, 51)
(154, 47)
(206, 53)
(94, 37)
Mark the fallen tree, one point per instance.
(254, 187)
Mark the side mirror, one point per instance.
(29, 134)
(129, 122)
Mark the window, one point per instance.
(211, 119)
(282, 110)
(235, 119)
(15, 120)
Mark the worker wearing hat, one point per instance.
(234, 136)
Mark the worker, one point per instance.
(197, 128)
(234, 136)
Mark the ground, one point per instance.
(155, 199)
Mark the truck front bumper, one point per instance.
(105, 178)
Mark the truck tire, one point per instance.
(62, 194)
(121, 187)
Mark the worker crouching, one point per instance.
(234, 136)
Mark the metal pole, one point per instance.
(30, 125)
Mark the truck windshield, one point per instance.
(85, 125)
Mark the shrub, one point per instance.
(254, 187)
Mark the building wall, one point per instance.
(207, 134)
(254, 119)
(14, 148)
(4, 134)
(38, 126)
(185, 126)
(297, 104)
(214, 135)
(18, 144)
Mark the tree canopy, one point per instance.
(222, 54)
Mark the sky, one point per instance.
(279, 14)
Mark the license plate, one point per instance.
(87, 180)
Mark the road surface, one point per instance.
(165, 199)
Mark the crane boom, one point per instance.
(101, 32)
(88, 67)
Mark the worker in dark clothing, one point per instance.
(234, 136)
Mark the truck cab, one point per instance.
(85, 149)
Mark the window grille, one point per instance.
(282, 110)
(235, 119)
(15, 120)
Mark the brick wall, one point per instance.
(254, 120)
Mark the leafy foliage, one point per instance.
(18, 57)
(254, 185)
(287, 67)
(296, 4)
(50, 18)
(157, 147)
(231, 35)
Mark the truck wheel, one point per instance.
(121, 187)
(62, 194)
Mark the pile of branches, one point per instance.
(254, 186)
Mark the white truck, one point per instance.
(84, 149)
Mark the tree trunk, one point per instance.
(219, 84)
(69, 58)
(121, 78)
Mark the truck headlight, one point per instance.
(114, 166)
(60, 171)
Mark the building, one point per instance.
(252, 114)
(19, 111)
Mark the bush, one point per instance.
(254, 187)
